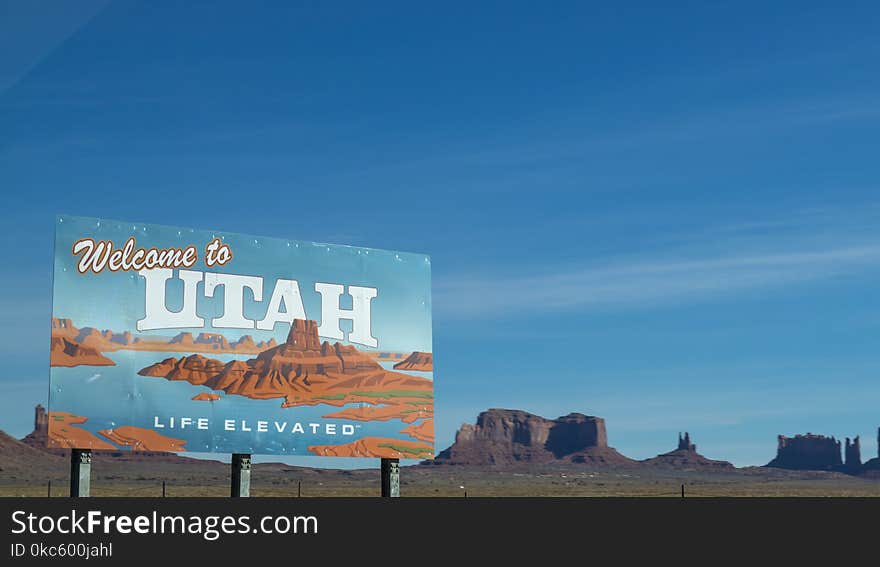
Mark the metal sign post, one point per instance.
(390, 478)
(80, 472)
(241, 475)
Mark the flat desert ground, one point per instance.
(144, 477)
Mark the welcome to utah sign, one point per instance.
(174, 339)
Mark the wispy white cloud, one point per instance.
(646, 281)
(572, 140)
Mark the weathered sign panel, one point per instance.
(175, 339)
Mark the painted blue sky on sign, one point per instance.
(400, 314)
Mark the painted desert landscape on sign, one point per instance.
(296, 384)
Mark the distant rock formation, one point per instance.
(685, 457)
(419, 361)
(852, 454)
(807, 452)
(871, 468)
(504, 437)
(39, 437)
(41, 420)
(684, 443)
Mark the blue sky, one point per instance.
(662, 215)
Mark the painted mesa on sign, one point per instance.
(301, 371)
(421, 361)
(306, 372)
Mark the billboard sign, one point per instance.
(175, 339)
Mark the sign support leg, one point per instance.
(80, 472)
(241, 475)
(390, 478)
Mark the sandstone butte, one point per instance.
(686, 457)
(303, 371)
(63, 433)
(505, 437)
(377, 447)
(67, 352)
(419, 361)
(206, 397)
(140, 439)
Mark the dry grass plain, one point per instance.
(210, 478)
